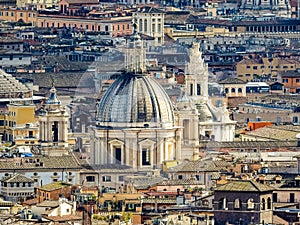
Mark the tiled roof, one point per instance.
(54, 186)
(64, 218)
(141, 182)
(48, 203)
(244, 186)
(200, 165)
(17, 178)
(275, 133)
(112, 168)
(250, 61)
(248, 144)
(50, 162)
(232, 81)
(33, 201)
(8, 84)
(61, 79)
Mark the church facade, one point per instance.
(137, 124)
(200, 119)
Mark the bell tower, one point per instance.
(197, 76)
(54, 122)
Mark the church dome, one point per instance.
(135, 100)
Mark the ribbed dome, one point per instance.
(135, 101)
(10, 85)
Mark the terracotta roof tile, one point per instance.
(54, 186)
(244, 186)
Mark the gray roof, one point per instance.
(232, 81)
(133, 100)
(199, 166)
(244, 186)
(40, 163)
(17, 178)
(143, 182)
(8, 84)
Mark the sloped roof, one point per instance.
(232, 81)
(244, 186)
(200, 165)
(51, 162)
(49, 203)
(17, 178)
(54, 186)
(275, 133)
(9, 84)
(143, 182)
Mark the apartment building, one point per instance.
(150, 21)
(15, 15)
(252, 69)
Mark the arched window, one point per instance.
(269, 203)
(145, 26)
(223, 204)
(237, 204)
(232, 90)
(263, 204)
(240, 90)
(250, 203)
(226, 90)
(141, 25)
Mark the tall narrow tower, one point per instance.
(197, 76)
(54, 122)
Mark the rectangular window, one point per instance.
(297, 80)
(255, 67)
(121, 178)
(106, 178)
(198, 89)
(292, 197)
(146, 156)
(90, 178)
(285, 80)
